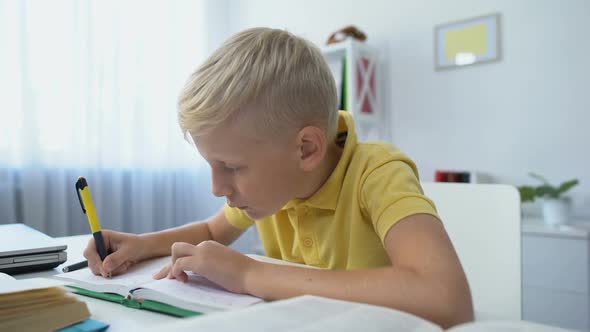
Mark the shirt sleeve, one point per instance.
(392, 192)
(237, 217)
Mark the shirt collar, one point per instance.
(327, 196)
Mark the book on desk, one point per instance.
(37, 305)
(137, 289)
(317, 314)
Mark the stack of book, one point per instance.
(461, 176)
(37, 305)
(452, 176)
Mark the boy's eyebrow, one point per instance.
(229, 161)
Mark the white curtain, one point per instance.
(90, 88)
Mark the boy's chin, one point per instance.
(255, 214)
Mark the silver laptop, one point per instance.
(24, 249)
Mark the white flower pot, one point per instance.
(556, 211)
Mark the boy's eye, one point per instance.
(233, 168)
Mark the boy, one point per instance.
(262, 111)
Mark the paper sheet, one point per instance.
(196, 290)
(10, 285)
(122, 284)
(306, 313)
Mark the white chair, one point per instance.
(483, 222)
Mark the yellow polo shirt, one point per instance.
(343, 225)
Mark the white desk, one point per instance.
(119, 317)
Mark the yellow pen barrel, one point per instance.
(90, 210)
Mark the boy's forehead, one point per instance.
(231, 134)
(224, 142)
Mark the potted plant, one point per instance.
(556, 207)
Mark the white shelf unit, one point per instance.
(361, 79)
(556, 273)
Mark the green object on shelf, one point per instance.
(529, 193)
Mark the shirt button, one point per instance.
(307, 242)
(303, 210)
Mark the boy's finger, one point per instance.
(90, 251)
(162, 273)
(114, 261)
(181, 277)
(121, 269)
(95, 267)
(178, 268)
(181, 249)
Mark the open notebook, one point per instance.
(138, 289)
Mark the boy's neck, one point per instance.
(319, 176)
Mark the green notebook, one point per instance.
(137, 289)
(137, 303)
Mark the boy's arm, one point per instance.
(216, 228)
(425, 278)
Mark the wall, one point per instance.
(529, 112)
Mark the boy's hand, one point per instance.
(214, 261)
(124, 250)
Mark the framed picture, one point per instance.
(467, 42)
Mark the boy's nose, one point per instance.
(221, 191)
(219, 187)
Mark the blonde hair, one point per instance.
(283, 78)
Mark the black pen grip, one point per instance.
(99, 243)
(75, 267)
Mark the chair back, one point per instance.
(483, 222)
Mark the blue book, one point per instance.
(89, 325)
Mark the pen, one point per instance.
(74, 267)
(83, 192)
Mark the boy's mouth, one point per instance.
(242, 207)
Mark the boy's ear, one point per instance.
(312, 146)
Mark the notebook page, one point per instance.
(196, 293)
(306, 314)
(200, 294)
(121, 284)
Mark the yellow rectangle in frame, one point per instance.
(471, 39)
